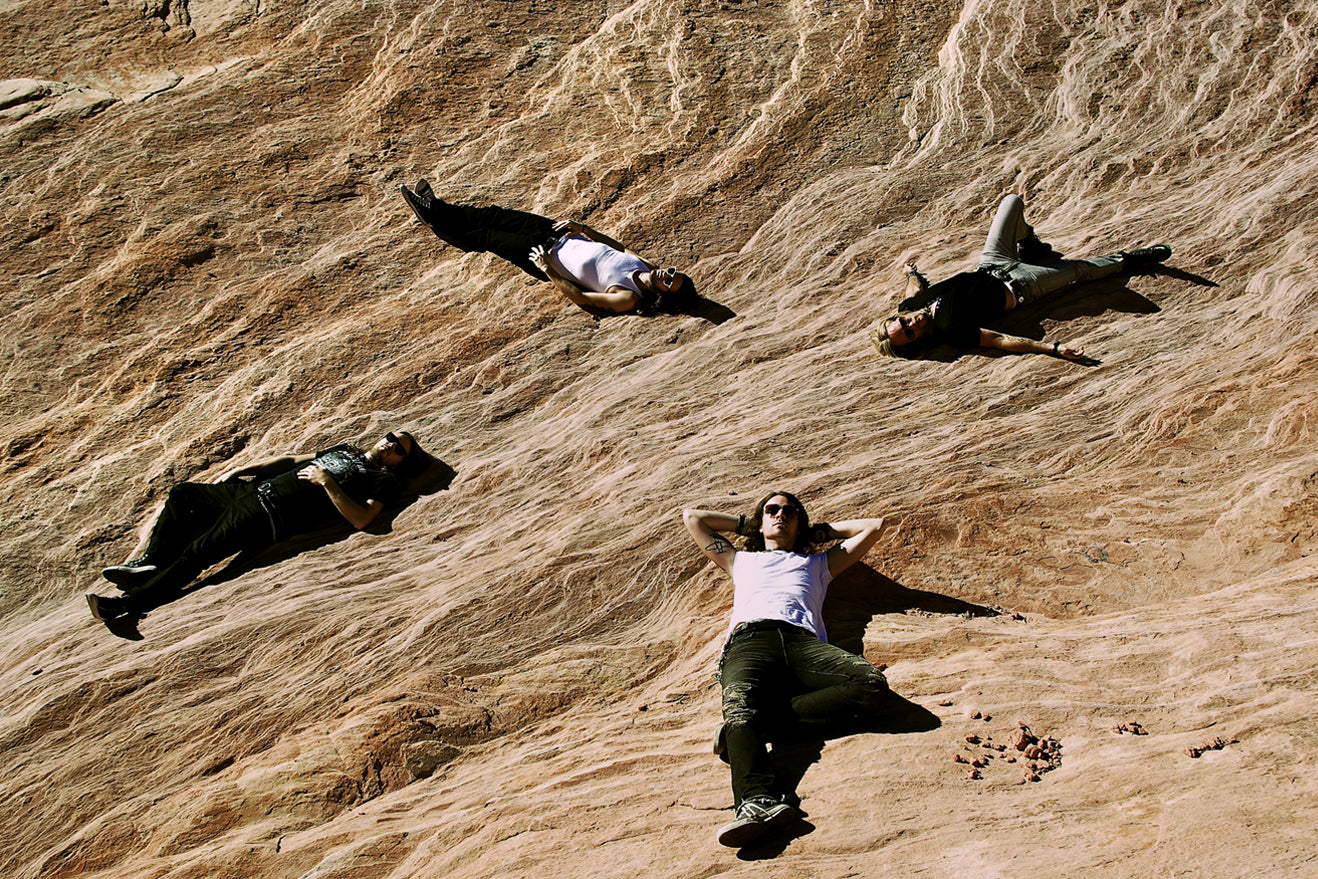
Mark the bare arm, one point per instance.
(358, 515)
(266, 469)
(616, 299)
(577, 228)
(704, 527)
(858, 536)
(915, 282)
(1022, 345)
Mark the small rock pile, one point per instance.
(1036, 754)
(1215, 744)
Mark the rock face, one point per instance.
(207, 264)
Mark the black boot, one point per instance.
(1032, 250)
(1145, 257)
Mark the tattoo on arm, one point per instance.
(719, 546)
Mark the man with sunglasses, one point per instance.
(1015, 269)
(781, 679)
(253, 508)
(588, 267)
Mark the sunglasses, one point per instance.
(393, 440)
(786, 509)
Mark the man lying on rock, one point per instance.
(1016, 268)
(253, 508)
(588, 267)
(781, 680)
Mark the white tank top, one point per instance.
(780, 585)
(596, 266)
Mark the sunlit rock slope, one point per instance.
(206, 263)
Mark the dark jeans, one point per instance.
(201, 524)
(781, 683)
(504, 232)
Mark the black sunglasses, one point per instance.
(787, 510)
(392, 439)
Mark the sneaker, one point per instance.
(755, 819)
(106, 609)
(422, 202)
(1143, 257)
(1032, 250)
(131, 573)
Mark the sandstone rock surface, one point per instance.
(207, 263)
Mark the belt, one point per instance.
(554, 239)
(766, 625)
(265, 493)
(1005, 277)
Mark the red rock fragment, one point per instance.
(1022, 738)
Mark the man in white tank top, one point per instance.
(588, 267)
(779, 675)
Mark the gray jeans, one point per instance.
(1030, 282)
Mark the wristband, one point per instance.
(741, 524)
(1055, 347)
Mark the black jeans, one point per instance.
(781, 683)
(504, 232)
(201, 524)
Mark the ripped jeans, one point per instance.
(781, 683)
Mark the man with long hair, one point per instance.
(781, 678)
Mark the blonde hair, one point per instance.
(883, 344)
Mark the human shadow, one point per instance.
(770, 847)
(854, 599)
(437, 477)
(706, 309)
(709, 310)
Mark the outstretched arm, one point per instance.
(358, 515)
(704, 527)
(858, 536)
(916, 282)
(1022, 345)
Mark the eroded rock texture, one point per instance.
(207, 263)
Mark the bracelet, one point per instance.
(1055, 347)
(741, 524)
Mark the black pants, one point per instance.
(504, 232)
(781, 683)
(201, 524)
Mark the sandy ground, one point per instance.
(208, 264)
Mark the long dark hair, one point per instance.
(804, 533)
